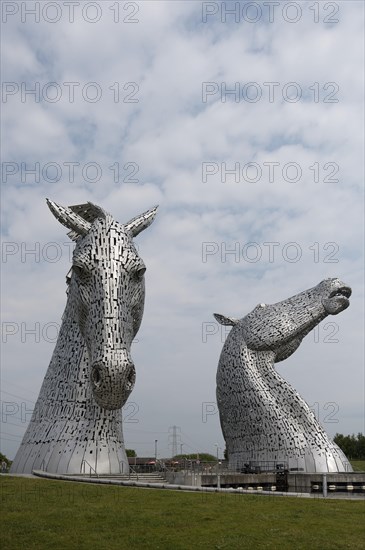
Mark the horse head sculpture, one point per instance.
(77, 419)
(107, 287)
(262, 417)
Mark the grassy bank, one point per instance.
(358, 465)
(43, 514)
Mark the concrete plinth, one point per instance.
(352, 482)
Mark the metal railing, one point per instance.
(133, 471)
(83, 468)
(211, 467)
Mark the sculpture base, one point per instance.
(340, 483)
(305, 460)
(72, 458)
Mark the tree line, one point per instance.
(352, 445)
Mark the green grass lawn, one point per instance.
(44, 514)
(358, 465)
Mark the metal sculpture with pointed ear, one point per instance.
(227, 321)
(77, 422)
(69, 218)
(141, 222)
(264, 421)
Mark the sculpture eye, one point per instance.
(140, 272)
(81, 272)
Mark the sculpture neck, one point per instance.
(272, 395)
(69, 363)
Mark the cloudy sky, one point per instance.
(246, 128)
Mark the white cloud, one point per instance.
(169, 134)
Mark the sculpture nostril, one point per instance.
(131, 378)
(111, 389)
(96, 376)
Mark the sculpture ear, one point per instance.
(228, 321)
(141, 222)
(70, 219)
